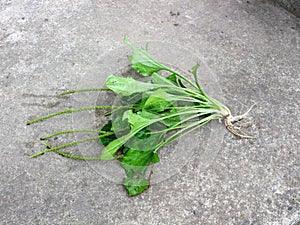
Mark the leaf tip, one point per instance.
(126, 41)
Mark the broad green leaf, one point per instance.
(135, 162)
(144, 140)
(137, 100)
(120, 126)
(136, 121)
(169, 122)
(148, 142)
(158, 79)
(156, 126)
(143, 134)
(174, 116)
(159, 101)
(139, 105)
(136, 186)
(127, 86)
(131, 99)
(108, 139)
(167, 85)
(149, 115)
(143, 62)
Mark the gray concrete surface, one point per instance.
(251, 46)
(292, 5)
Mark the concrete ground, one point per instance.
(292, 5)
(252, 49)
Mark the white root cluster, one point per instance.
(230, 120)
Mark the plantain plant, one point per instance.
(151, 115)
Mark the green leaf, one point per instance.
(109, 127)
(167, 85)
(135, 162)
(109, 151)
(120, 125)
(131, 99)
(127, 86)
(155, 158)
(135, 101)
(143, 134)
(142, 61)
(149, 142)
(107, 139)
(149, 115)
(144, 140)
(175, 80)
(139, 105)
(136, 186)
(194, 72)
(136, 121)
(169, 122)
(158, 101)
(158, 79)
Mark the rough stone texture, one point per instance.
(291, 5)
(251, 46)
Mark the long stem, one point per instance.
(182, 77)
(68, 132)
(126, 137)
(68, 155)
(176, 126)
(195, 125)
(118, 108)
(56, 149)
(61, 146)
(187, 99)
(68, 111)
(84, 90)
(201, 95)
(185, 91)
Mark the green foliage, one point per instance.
(142, 61)
(127, 86)
(136, 186)
(148, 112)
(135, 162)
(107, 139)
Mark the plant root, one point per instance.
(234, 119)
(229, 124)
(232, 129)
